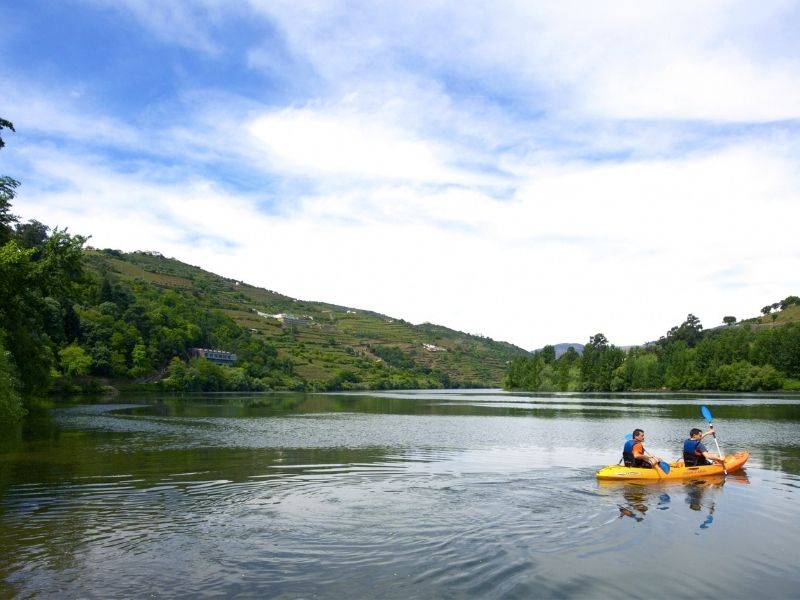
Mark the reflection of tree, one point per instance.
(785, 458)
(66, 493)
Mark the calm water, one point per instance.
(396, 495)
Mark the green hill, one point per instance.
(757, 354)
(314, 345)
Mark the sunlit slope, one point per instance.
(322, 340)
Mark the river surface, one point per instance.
(444, 494)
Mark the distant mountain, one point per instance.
(561, 348)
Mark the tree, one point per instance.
(31, 234)
(141, 361)
(548, 353)
(789, 301)
(5, 125)
(690, 332)
(30, 279)
(729, 320)
(74, 360)
(10, 400)
(8, 188)
(598, 363)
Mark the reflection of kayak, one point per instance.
(733, 462)
(704, 481)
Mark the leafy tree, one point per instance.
(29, 281)
(31, 234)
(524, 372)
(789, 301)
(8, 187)
(598, 363)
(141, 364)
(7, 192)
(548, 354)
(101, 359)
(570, 356)
(690, 332)
(729, 320)
(11, 406)
(4, 124)
(742, 376)
(75, 361)
(641, 370)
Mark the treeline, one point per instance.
(733, 358)
(66, 323)
(70, 321)
(66, 319)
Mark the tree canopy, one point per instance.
(734, 358)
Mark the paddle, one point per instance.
(707, 417)
(663, 464)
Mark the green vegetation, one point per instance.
(758, 354)
(133, 319)
(76, 319)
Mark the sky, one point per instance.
(533, 172)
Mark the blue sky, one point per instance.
(532, 172)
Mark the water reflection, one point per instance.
(467, 402)
(635, 499)
(395, 495)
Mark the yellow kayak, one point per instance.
(677, 470)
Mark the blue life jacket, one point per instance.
(627, 455)
(693, 457)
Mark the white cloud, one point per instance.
(628, 59)
(308, 142)
(481, 167)
(623, 249)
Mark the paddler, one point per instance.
(634, 454)
(695, 452)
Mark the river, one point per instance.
(423, 494)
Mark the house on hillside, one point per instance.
(433, 348)
(219, 357)
(286, 318)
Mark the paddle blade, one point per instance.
(664, 467)
(706, 413)
(628, 437)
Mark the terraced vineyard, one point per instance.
(324, 341)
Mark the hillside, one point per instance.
(322, 346)
(779, 318)
(757, 354)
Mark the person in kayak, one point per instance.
(695, 452)
(634, 454)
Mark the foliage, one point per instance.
(36, 286)
(10, 399)
(598, 363)
(541, 372)
(740, 357)
(742, 376)
(690, 332)
(74, 360)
